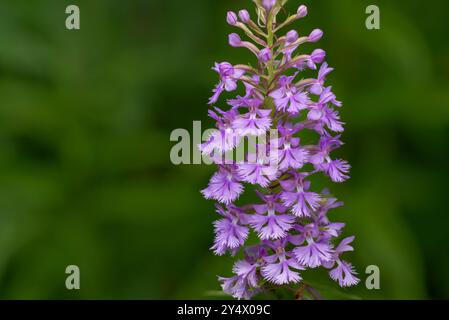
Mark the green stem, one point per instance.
(285, 23)
(270, 41)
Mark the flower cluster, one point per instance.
(290, 220)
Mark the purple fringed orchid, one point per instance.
(288, 97)
(290, 221)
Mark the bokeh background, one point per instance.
(85, 120)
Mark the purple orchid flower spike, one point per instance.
(289, 229)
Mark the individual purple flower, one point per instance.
(248, 270)
(245, 282)
(281, 266)
(236, 286)
(325, 146)
(269, 221)
(280, 271)
(317, 88)
(336, 169)
(286, 151)
(230, 234)
(322, 113)
(224, 138)
(331, 119)
(312, 254)
(289, 153)
(296, 195)
(288, 98)
(344, 272)
(257, 169)
(239, 287)
(224, 185)
(312, 251)
(228, 79)
(256, 122)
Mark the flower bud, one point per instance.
(268, 4)
(291, 36)
(315, 35)
(302, 12)
(234, 40)
(318, 56)
(244, 16)
(264, 55)
(231, 18)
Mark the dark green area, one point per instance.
(85, 119)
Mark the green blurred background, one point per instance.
(85, 119)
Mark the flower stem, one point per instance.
(270, 41)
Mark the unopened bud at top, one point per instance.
(315, 35)
(268, 4)
(234, 40)
(302, 12)
(244, 16)
(231, 18)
